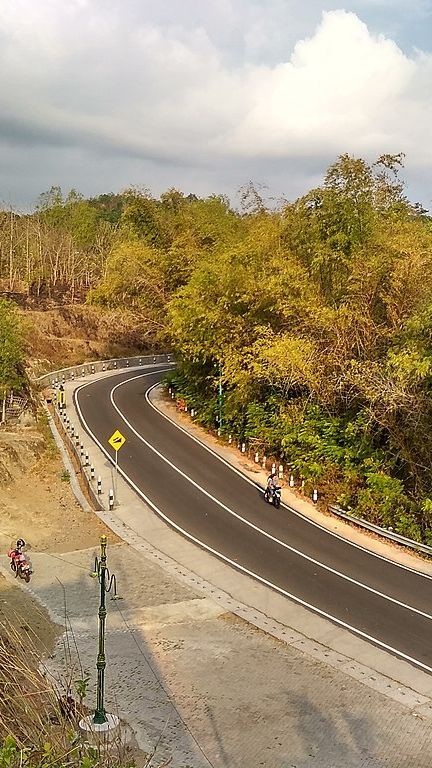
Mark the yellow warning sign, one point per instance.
(117, 440)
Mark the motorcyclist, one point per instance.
(272, 484)
(16, 554)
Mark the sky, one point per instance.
(205, 95)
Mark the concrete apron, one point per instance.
(138, 525)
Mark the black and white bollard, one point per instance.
(229, 439)
(192, 413)
(81, 449)
(111, 499)
(99, 485)
(77, 439)
(67, 422)
(273, 471)
(92, 472)
(314, 495)
(86, 459)
(302, 486)
(243, 447)
(72, 429)
(280, 472)
(291, 481)
(264, 462)
(83, 372)
(257, 458)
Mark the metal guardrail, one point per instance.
(97, 366)
(396, 537)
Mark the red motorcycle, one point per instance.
(20, 564)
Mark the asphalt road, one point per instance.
(207, 501)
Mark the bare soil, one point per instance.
(37, 505)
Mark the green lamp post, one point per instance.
(107, 583)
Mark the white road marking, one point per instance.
(247, 522)
(239, 567)
(286, 506)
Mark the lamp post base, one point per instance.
(99, 733)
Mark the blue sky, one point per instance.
(102, 94)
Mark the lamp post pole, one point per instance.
(220, 397)
(100, 714)
(107, 582)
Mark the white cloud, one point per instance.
(85, 73)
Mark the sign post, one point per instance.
(116, 441)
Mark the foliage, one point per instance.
(314, 316)
(318, 323)
(12, 375)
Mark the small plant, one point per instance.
(65, 476)
(81, 686)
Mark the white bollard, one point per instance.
(72, 375)
(219, 432)
(257, 458)
(99, 485)
(314, 495)
(77, 439)
(243, 448)
(111, 499)
(186, 408)
(229, 439)
(72, 430)
(127, 363)
(291, 481)
(86, 459)
(280, 472)
(67, 422)
(192, 413)
(81, 450)
(115, 365)
(92, 369)
(154, 358)
(140, 362)
(273, 469)
(83, 372)
(103, 366)
(172, 395)
(302, 486)
(92, 472)
(264, 462)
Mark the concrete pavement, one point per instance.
(207, 688)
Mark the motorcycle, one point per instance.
(20, 564)
(273, 496)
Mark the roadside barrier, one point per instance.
(385, 532)
(55, 378)
(74, 448)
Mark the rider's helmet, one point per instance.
(20, 543)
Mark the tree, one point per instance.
(12, 373)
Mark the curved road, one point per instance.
(205, 499)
